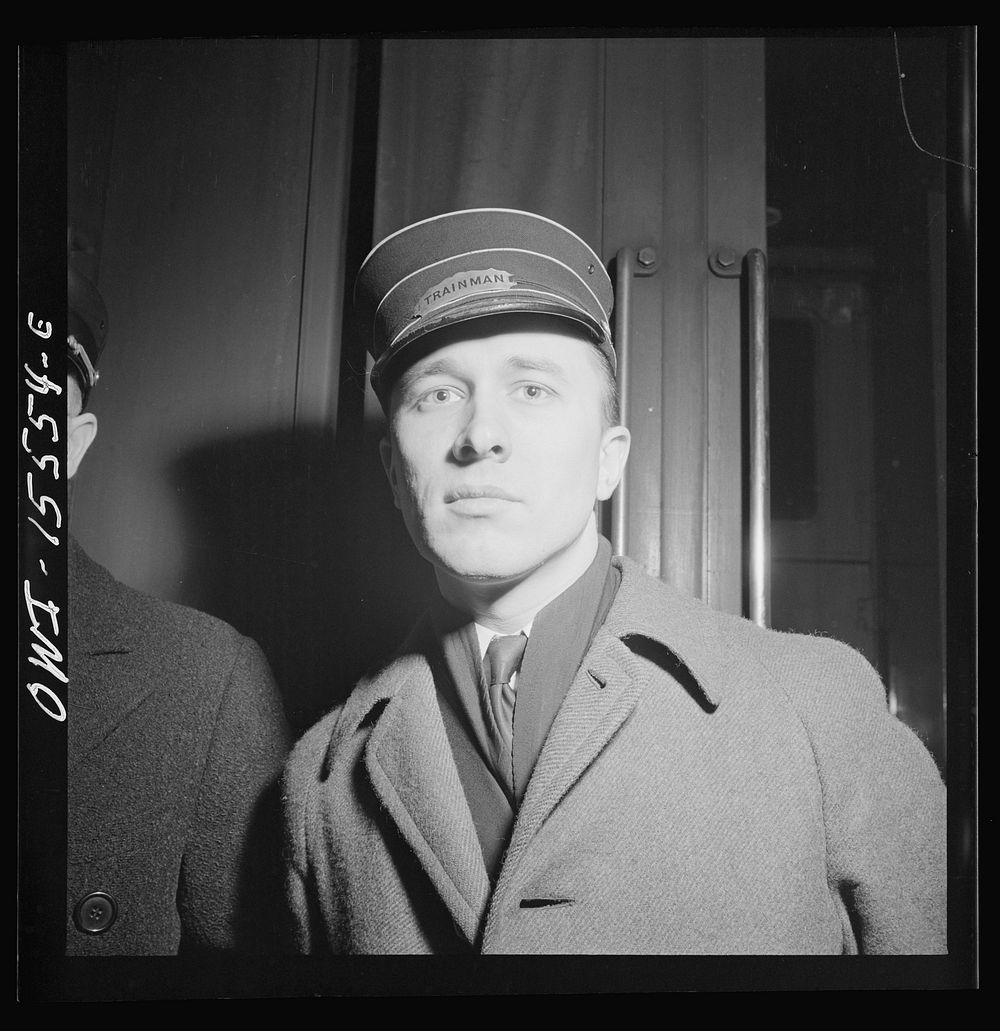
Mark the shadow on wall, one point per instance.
(295, 541)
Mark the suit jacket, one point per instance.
(707, 787)
(176, 734)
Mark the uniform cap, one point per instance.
(88, 323)
(469, 264)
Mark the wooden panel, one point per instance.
(633, 217)
(734, 181)
(685, 174)
(684, 304)
(491, 123)
(201, 269)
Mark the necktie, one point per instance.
(501, 662)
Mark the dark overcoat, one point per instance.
(176, 734)
(707, 787)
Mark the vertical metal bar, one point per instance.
(624, 272)
(760, 494)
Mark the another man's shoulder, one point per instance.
(199, 679)
(105, 612)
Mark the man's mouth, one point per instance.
(470, 493)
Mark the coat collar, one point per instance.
(682, 630)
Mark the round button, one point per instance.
(95, 912)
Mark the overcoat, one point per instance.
(176, 734)
(707, 787)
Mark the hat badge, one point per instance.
(462, 285)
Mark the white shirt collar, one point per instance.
(486, 635)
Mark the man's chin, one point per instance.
(483, 567)
(485, 573)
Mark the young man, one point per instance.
(176, 736)
(567, 755)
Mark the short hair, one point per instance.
(611, 401)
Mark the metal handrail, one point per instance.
(759, 516)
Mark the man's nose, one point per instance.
(484, 434)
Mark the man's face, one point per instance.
(497, 447)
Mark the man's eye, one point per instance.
(439, 396)
(534, 391)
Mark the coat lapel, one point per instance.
(646, 612)
(412, 770)
(600, 699)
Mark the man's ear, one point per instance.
(80, 433)
(615, 446)
(386, 454)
